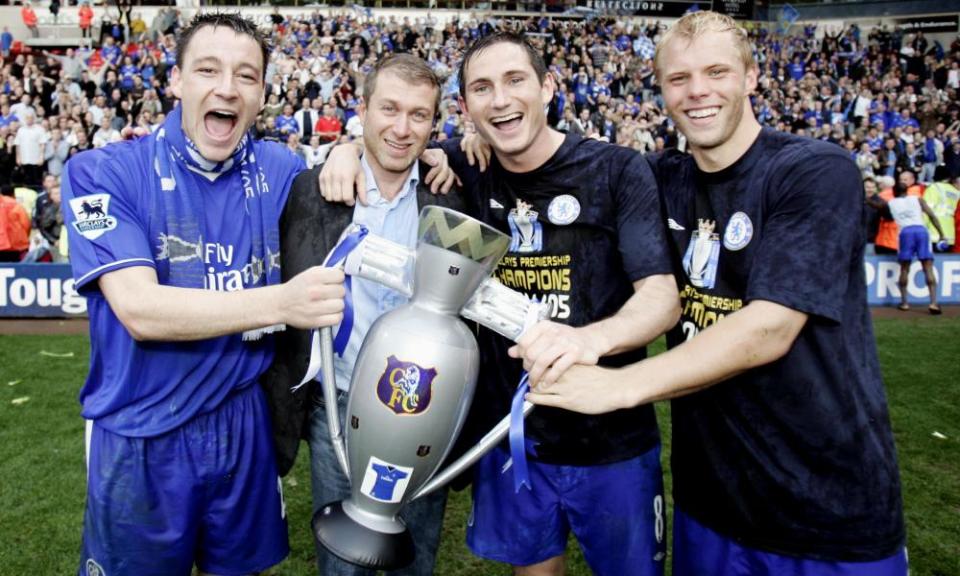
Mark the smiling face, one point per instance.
(706, 87)
(505, 100)
(397, 119)
(220, 88)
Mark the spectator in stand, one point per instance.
(315, 153)
(57, 150)
(8, 154)
(30, 141)
(866, 160)
(328, 126)
(14, 226)
(106, 133)
(307, 117)
(85, 18)
(47, 221)
(871, 214)
(286, 123)
(29, 18)
(931, 154)
(294, 146)
(6, 43)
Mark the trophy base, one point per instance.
(353, 542)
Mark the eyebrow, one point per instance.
(215, 60)
(393, 102)
(511, 72)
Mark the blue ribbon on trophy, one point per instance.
(518, 448)
(344, 247)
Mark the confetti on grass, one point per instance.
(56, 354)
(939, 436)
(14, 382)
(20, 400)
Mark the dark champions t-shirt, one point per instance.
(795, 457)
(584, 227)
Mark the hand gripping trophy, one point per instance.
(414, 378)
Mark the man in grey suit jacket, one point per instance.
(401, 96)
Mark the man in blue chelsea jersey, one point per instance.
(175, 243)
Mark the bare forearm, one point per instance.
(760, 333)
(177, 314)
(150, 311)
(653, 309)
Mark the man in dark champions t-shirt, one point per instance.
(783, 457)
(588, 240)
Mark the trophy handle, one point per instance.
(329, 385)
(503, 310)
(384, 262)
(491, 439)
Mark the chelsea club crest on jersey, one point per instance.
(738, 233)
(526, 232)
(703, 252)
(563, 210)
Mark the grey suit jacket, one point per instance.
(309, 228)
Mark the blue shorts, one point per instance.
(616, 511)
(206, 493)
(699, 551)
(914, 243)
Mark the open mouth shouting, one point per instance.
(219, 125)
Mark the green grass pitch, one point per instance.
(42, 472)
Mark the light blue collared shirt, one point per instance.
(395, 220)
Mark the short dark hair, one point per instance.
(231, 20)
(506, 37)
(408, 67)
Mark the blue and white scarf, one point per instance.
(177, 162)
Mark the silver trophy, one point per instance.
(414, 380)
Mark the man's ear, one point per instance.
(752, 78)
(548, 88)
(463, 106)
(176, 82)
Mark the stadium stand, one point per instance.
(886, 90)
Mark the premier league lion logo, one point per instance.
(92, 215)
(405, 387)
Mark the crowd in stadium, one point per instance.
(888, 97)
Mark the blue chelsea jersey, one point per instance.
(116, 219)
